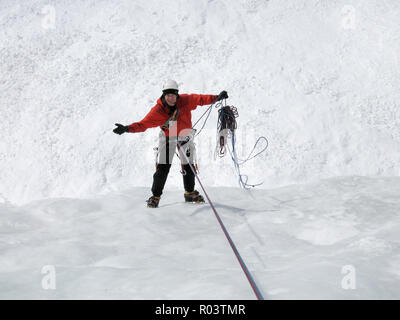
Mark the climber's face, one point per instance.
(170, 98)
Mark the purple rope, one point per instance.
(253, 284)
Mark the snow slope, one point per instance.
(319, 78)
(298, 241)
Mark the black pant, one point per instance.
(161, 174)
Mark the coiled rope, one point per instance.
(226, 126)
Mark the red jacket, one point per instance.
(158, 115)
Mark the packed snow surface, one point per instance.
(335, 239)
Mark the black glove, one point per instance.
(222, 95)
(120, 129)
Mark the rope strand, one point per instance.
(246, 271)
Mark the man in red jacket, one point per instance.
(173, 114)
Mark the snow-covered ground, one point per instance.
(318, 78)
(299, 241)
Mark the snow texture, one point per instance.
(299, 242)
(318, 78)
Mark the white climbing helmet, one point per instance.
(170, 85)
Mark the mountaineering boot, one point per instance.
(153, 202)
(193, 196)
